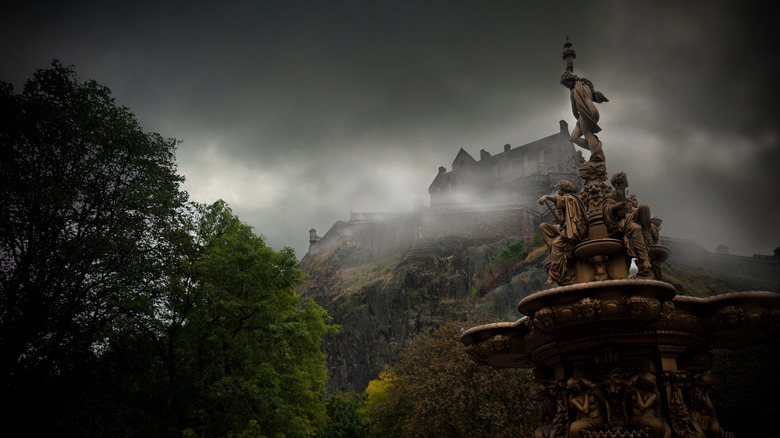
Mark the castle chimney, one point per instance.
(442, 170)
(313, 237)
(564, 128)
(507, 147)
(483, 154)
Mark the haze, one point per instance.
(296, 112)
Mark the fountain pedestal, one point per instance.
(626, 344)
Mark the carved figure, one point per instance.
(614, 387)
(627, 219)
(702, 410)
(553, 412)
(588, 307)
(544, 318)
(645, 405)
(586, 399)
(583, 100)
(679, 415)
(571, 228)
(637, 307)
(731, 316)
(655, 230)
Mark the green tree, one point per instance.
(344, 418)
(252, 345)
(436, 389)
(86, 201)
(125, 310)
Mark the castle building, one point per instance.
(515, 176)
(486, 199)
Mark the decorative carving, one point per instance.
(614, 386)
(600, 263)
(588, 308)
(594, 194)
(498, 344)
(544, 319)
(589, 404)
(554, 412)
(701, 409)
(691, 410)
(667, 307)
(645, 405)
(636, 307)
(731, 316)
(571, 228)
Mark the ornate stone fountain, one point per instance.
(618, 356)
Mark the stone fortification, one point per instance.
(515, 176)
(486, 200)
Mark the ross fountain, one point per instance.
(617, 356)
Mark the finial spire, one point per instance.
(568, 55)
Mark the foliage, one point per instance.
(126, 311)
(502, 265)
(238, 352)
(537, 241)
(344, 419)
(86, 201)
(436, 389)
(510, 253)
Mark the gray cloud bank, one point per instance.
(296, 112)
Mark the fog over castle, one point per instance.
(296, 113)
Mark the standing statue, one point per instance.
(583, 100)
(571, 228)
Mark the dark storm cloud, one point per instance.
(297, 112)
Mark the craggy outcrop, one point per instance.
(381, 305)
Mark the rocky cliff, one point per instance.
(381, 305)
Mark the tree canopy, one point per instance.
(436, 389)
(87, 198)
(124, 309)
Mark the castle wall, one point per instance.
(382, 237)
(483, 224)
(686, 252)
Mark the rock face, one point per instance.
(381, 305)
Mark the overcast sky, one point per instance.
(297, 112)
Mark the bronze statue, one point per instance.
(621, 357)
(587, 400)
(583, 100)
(571, 228)
(701, 409)
(645, 405)
(627, 219)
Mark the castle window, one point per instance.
(541, 156)
(525, 161)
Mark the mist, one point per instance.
(295, 112)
